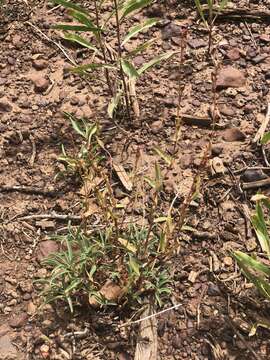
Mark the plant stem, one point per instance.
(99, 39)
(211, 24)
(120, 58)
(181, 87)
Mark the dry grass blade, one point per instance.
(263, 126)
(123, 176)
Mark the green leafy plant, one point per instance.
(89, 261)
(129, 257)
(92, 32)
(254, 269)
(89, 156)
(212, 8)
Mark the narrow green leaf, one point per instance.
(223, 4)
(133, 5)
(156, 61)
(70, 5)
(141, 48)
(167, 158)
(75, 28)
(138, 28)
(150, 182)
(261, 284)
(134, 265)
(91, 131)
(251, 262)
(80, 40)
(129, 69)
(72, 286)
(82, 18)
(114, 103)
(200, 11)
(158, 177)
(77, 128)
(261, 230)
(70, 303)
(265, 139)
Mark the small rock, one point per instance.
(41, 273)
(230, 77)
(259, 58)
(233, 134)
(265, 38)
(177, 342)
(226, 110)
(216, 150)
(124, 356)
(5, 106)
(138, 61)
(24, 102)
(74, 100)
(40, 64)
(7, 310)
(196, 43)
(3, 81)
(4, 329)
(171, 30)
(45, 351)
(233, 54)
(7, 350)
(251, 244)
(217, 166)
(228, 261)
(18, 320)
(110, 291)
(213, 290)
(41, 84)
(17, 41)
(11, 61)
(253, 175)
(31, 308)
(157, 126)
(46, 248)
(26, 286)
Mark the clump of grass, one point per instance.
(92, 31)
(129, 257)
(82, 270)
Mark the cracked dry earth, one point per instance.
(218, 306)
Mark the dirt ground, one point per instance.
(218, 306)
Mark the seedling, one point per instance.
(212, 7)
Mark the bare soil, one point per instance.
(218, 307)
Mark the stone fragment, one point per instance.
(197, 43)
(7, 350)
(233, 134)
(18, 321)
(46, 248)
(40, 64)
(41, 84)
(230, 77)
(233, 54)
(5, 106)
(156, 126)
